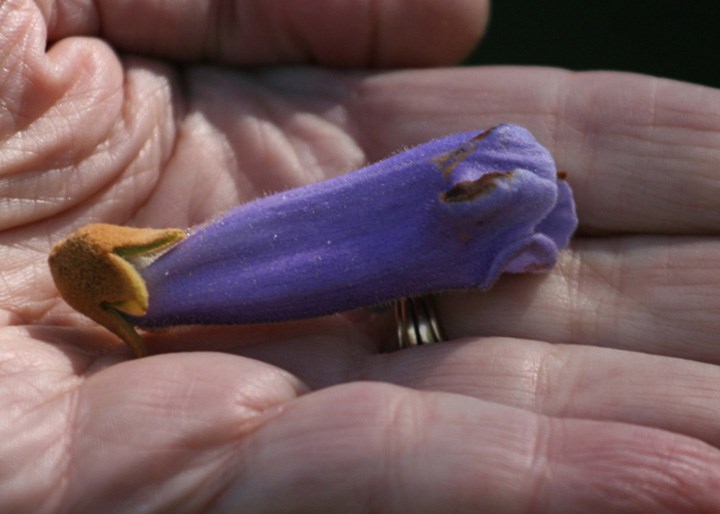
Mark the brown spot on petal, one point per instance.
(448, 161)
(474, 189)
(482, 135)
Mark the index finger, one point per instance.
(641, 153)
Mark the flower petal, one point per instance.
(449, 214)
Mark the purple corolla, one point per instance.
(450, 214)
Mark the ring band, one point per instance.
(417, 322)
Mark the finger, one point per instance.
(646, 294)
(173, 420)
(641, 153)
(372, 447)
(566, 381)
(557, 380)
(360, 33)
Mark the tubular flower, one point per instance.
(450, 214)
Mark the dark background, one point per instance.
(670, 38)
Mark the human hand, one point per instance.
(594, 388)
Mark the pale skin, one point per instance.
(593, 389)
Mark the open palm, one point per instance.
(593, 388)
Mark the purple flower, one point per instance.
(450, 214)
(454, 213)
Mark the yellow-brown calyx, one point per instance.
(91, 272)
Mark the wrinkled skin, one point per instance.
(595, 388)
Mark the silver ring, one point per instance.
(417, 322)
